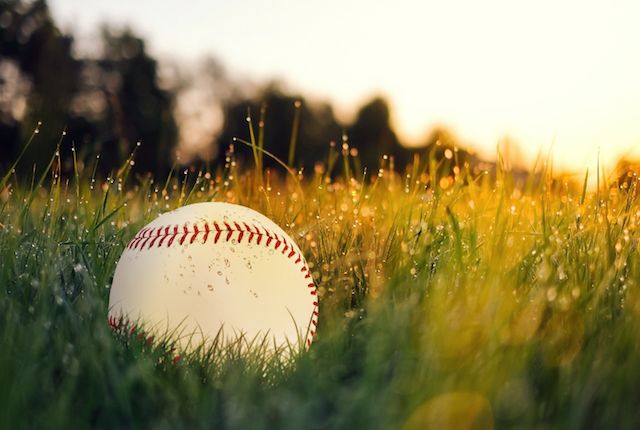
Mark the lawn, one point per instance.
(470, 300)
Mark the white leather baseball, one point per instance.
(207, 267)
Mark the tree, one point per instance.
(107, 103)
(374, 136)
(38, 77)
(121, 103)
(317, 125)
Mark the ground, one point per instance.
(471, 300)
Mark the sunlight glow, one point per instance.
(547, 74)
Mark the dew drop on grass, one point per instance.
(562, 275)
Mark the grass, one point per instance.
(464, 301)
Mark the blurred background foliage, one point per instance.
(107, 102)
(117, 94)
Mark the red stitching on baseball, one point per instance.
(154, 238)
(134, 242)
(195, 233)
(166, 234)
(184, 236)
(122, 325)
(146, 239)
(206, 232)
(173, 236)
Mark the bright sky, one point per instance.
(563, 74)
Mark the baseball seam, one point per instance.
(167, 235)
(122, 325)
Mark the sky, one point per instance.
(561, 76)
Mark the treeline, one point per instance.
(111, 98)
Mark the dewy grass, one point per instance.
(464, 301)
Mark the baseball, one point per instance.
(212, 271)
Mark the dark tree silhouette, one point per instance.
(107, 103)
(374, 136)
(38, 77)
(113, 99)
(121, 103)
(317, 125)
